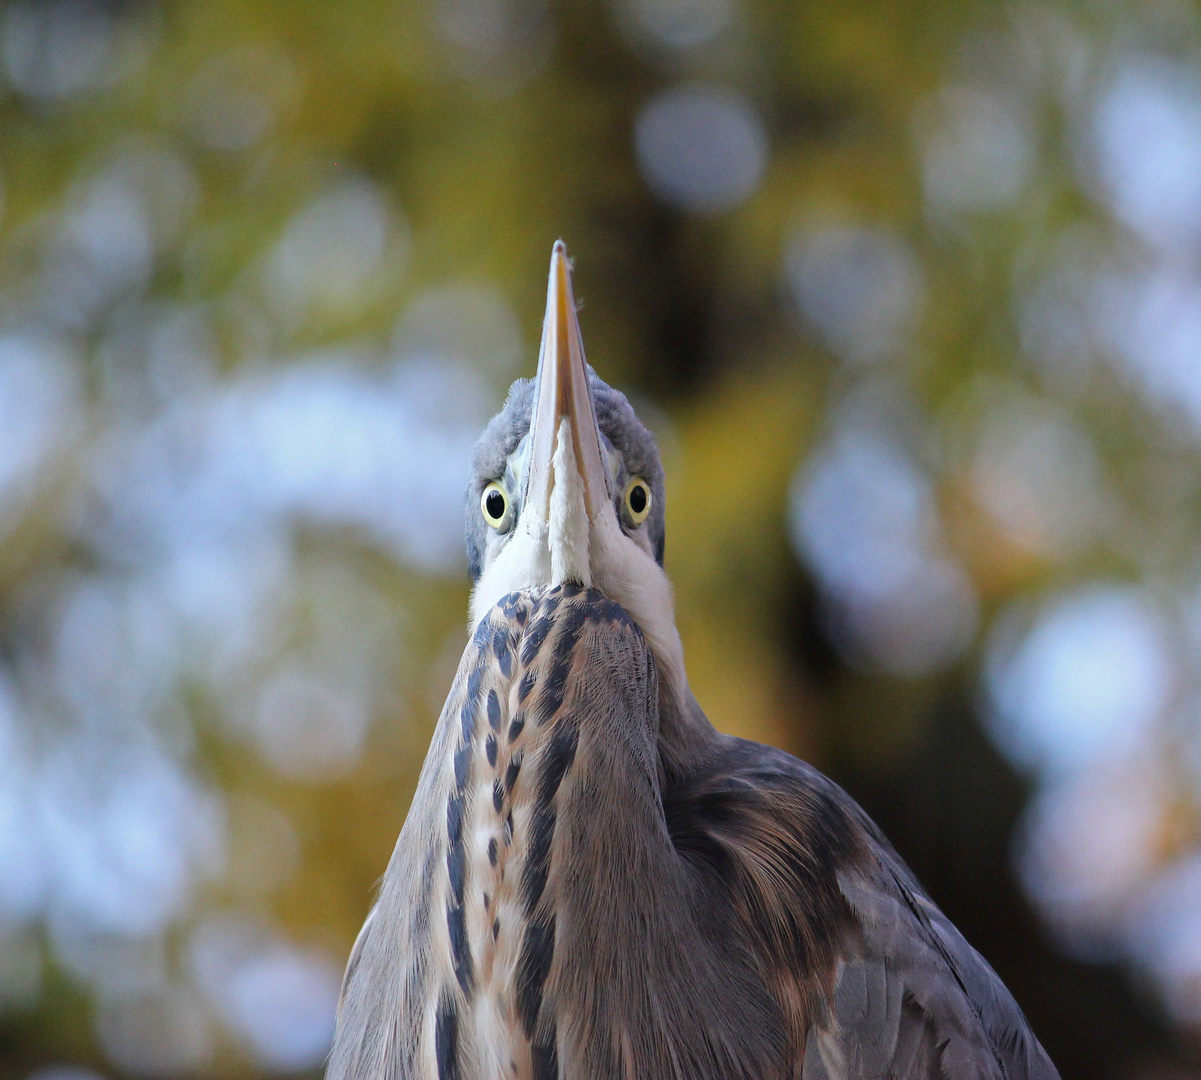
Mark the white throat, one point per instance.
(569, 525)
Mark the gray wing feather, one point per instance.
(867, 998)
(917, 1052)
(911, 998)
(958, 1020)
(1021, 1055)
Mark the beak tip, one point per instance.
(562, 392)
(559, 259)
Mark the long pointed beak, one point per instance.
(561, 394)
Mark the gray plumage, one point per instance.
(594, 884)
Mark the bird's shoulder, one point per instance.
(872, 978)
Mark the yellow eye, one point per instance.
(638, 500)
(496, 505)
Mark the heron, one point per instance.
(592, 882)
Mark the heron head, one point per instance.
(567, 486)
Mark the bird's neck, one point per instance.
(686, 737)
(535, 854)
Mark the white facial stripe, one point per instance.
(523, 563)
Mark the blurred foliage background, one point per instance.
(909, 291)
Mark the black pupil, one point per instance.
(495, 505)
(637, 498)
